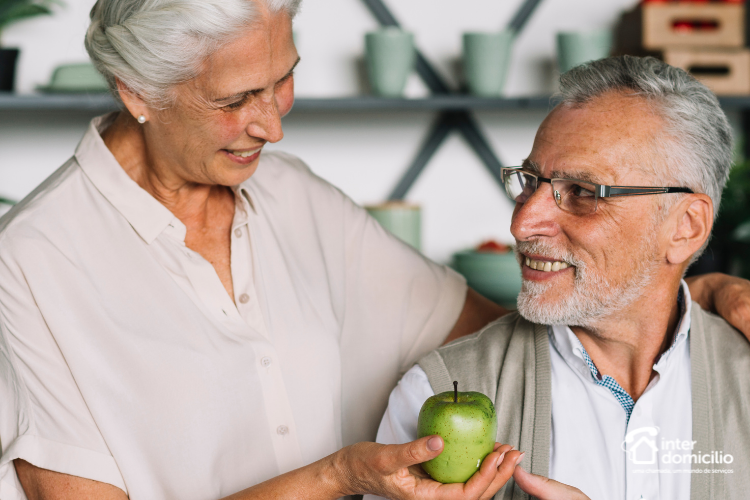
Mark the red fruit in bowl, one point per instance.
(493, 246)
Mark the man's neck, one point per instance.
(627, 345)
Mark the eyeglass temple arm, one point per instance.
(611, 191)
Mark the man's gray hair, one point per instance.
(153, 45)
(697, 145)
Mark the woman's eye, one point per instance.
(235, 105)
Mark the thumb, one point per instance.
(416, 452)
(544, 488)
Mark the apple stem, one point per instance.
(455, 391)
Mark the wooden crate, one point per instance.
(665, 25)
(726, 72)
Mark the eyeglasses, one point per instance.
(572, 195)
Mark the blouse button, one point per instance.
(265, 361)
(238, 232)
(244, 298)
(282, 430)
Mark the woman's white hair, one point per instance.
(153, 45)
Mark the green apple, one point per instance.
(467, 422)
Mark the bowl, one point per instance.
(497, 276)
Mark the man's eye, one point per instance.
(578, 190)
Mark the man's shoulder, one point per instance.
(479, 358)
(722, 341)
(495, 333)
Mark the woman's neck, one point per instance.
(189, 201)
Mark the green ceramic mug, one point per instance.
(390, 56)
(403, 220)
(486, 61)
(576, 48)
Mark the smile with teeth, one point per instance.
(546, 266)
(244, 154)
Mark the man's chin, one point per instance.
(536, 304)
(537, 310)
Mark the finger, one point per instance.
(506, 465)
(481, 480)
(544, 488)
(502, 448)
(399, 456)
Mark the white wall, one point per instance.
(363, 153)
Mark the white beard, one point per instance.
(593, 297)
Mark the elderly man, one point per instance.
(608, 377)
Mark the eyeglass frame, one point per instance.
(601, 191)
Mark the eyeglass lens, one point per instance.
(570, 195)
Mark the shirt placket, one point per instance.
(641, 444)
(281, 423)
(211, 292)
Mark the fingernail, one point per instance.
(518, 460)
(435, 443)
(500, 459)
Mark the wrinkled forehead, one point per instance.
(611, 140)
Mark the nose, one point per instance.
(266, 122)
(537, 216)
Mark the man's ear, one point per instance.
(693, 219)
(132, 101)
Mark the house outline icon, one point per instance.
(633, 451)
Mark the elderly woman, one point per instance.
(185, 316)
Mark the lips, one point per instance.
(243, 157)
(243, 154)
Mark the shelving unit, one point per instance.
(449, 102)
(101, 103)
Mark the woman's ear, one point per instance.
(694, 218)
(133, 102)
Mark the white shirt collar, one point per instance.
(145, 214)
(572, 351)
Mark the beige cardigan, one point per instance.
(509, 361)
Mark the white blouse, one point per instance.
(123, 359)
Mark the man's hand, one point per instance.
(393, 471)
(546, 489)
(727, 296)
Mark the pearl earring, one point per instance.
(141, 119)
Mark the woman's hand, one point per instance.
(546, 489)
(727, 296)
(393, 471)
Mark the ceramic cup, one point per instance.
(390, 56)
(403, 220)
(576, 48)
(486, 61)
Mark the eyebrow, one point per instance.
(577, 174)
(531, 166)
(534, 168)
(245, 93)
